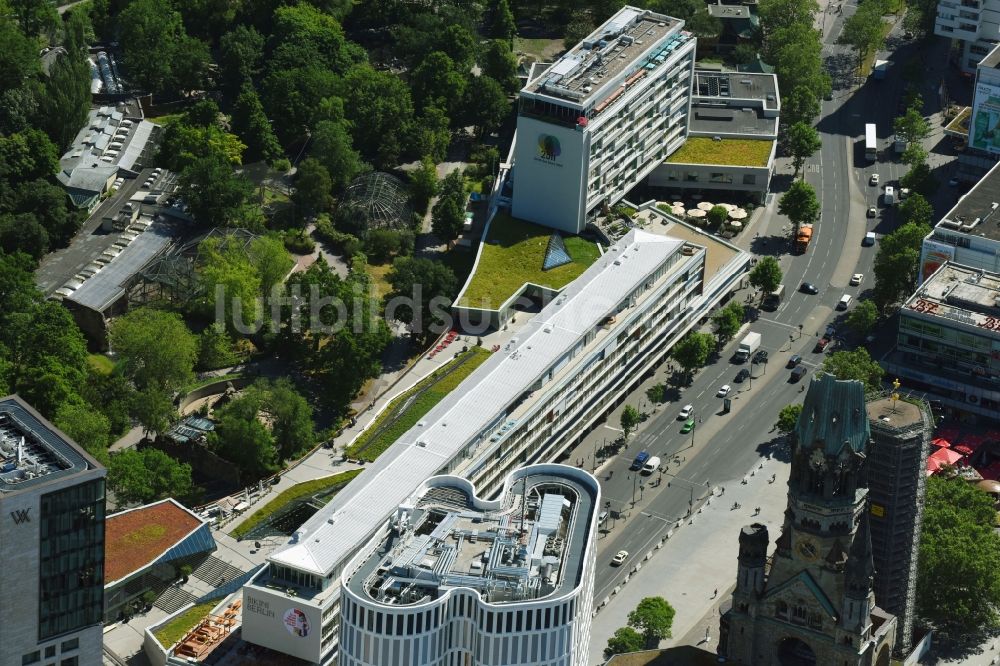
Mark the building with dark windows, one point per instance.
(51, 544)
(812, 602)
(901, 434)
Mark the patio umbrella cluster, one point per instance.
(953, 448)
(701, 209)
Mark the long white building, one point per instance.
(538, 396)
(600, 118)
(456, 579)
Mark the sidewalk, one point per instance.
(698, 559)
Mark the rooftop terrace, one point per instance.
(961, 294)
(31, 452)
(728, 152)
(628, 40)
(527, 545)
(976, 212)
(992, 59)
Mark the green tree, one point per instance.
(290, 416)
(156, 349)
(704, 25)
(241, 438)
(186, 139)
(502, 25)
(436, 81)
(303, 33)
(28, 155)
(252, 126)
(430, 135)
(657, 393)
(579, 26)
(896, 264)
(423, 185)
(380, 112)
(855, 364)
(864, 30)
(920, 179)
(803, 142)
(624, 640)
(863, 317)
(777, 14)
(296, 96)
(331, 145)
(19, 56)
(448, 214)
(653, 618)
(215, 348)
(66, 98)
(958, 575)
(915, 209)
(214, 192)
(717, 215)
(50, 206)
(801, 106)
(139, 477)
(498, 62)
(240, 53)
(766, 275)
(35, 16)
(87, 427)
(486, 104)
(788, 417)
(911, 126)
(312, 188)
(692, 351)
(230, 283)
(270, 261)
(914, 154)
(800, 204)
(727, 321)
(23, 233)
(161, 56)
(629, 420)
(422, 290)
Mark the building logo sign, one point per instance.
(549, 147)
(257, 606)
(296, 622)
(20, 516)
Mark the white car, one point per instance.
(873, 180)
(872, 211)
(724, 391)
(685, 412)
(619, 558)
(856, 279)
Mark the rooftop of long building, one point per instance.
(527, 545)
(32, 452)
(629, 40)
(964, 295)
(976, 213)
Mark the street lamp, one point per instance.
(642, 487)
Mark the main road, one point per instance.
(726, 446)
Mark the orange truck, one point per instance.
(802, 237)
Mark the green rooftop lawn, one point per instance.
(178, 627)
(368, 446)
(296, 492)
(512, 256)
(731, 152)
(956, 124)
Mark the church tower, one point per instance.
(812, 603)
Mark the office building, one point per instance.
(900, 443)
(813, 601)
(948, 343)
(983, 135)
(539, 395)
(457, 579)
(975, 24)
(51, 544)
(600, 118)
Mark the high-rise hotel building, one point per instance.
(529, 402)
(601, 118)
(455, 579)
(51, 544)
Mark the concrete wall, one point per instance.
(676, 176)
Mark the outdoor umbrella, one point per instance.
(678, 211)
(737, 214)
(736, 225)
(706, 206)
(696, 212)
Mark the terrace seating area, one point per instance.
(443, 344)
(210, 632)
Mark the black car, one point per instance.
(742, 375)
(808, 288)
(760, 357)
(794, 361)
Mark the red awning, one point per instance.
(946, 456)
(942, 442)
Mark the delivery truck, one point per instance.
(748, 345)
(802, 237)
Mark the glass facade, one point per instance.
(71, 559)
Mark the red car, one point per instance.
(821, 344)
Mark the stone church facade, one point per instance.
(812, 602)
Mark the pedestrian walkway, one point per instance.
(695, 568)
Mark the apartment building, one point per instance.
(51, 544)
(601, 117)
(974, 23)
(539, 395)
(456, 579)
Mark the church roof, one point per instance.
(806, 579)
(833, 416)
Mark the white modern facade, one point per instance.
(51, 544)
(539, 395)
(600, 118)
(985, 121)
(459, 580)
(974, 23)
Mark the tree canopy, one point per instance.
(624, 640)
(727, 321)
(629, 420)
(855, 364)
(653, 618)
(803, 142)
(693, 350)
(788, 417)
(766, 275)
(421, 293)
(138, 338)
(896, 264)
(800, 203)
(147, 475)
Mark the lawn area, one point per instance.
(296, 492)
(543, 50)
(100, 364)
(732, 152)
(377, 439)
(166, 118)
(379, 274)
(513, 255)
(866, 65)
(178, 627)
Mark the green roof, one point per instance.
(727, 152)
(513, 254)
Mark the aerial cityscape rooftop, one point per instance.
(976, 211)
(31, 452)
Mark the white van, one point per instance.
(651, 465)
(889, 197)
(845, 302)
